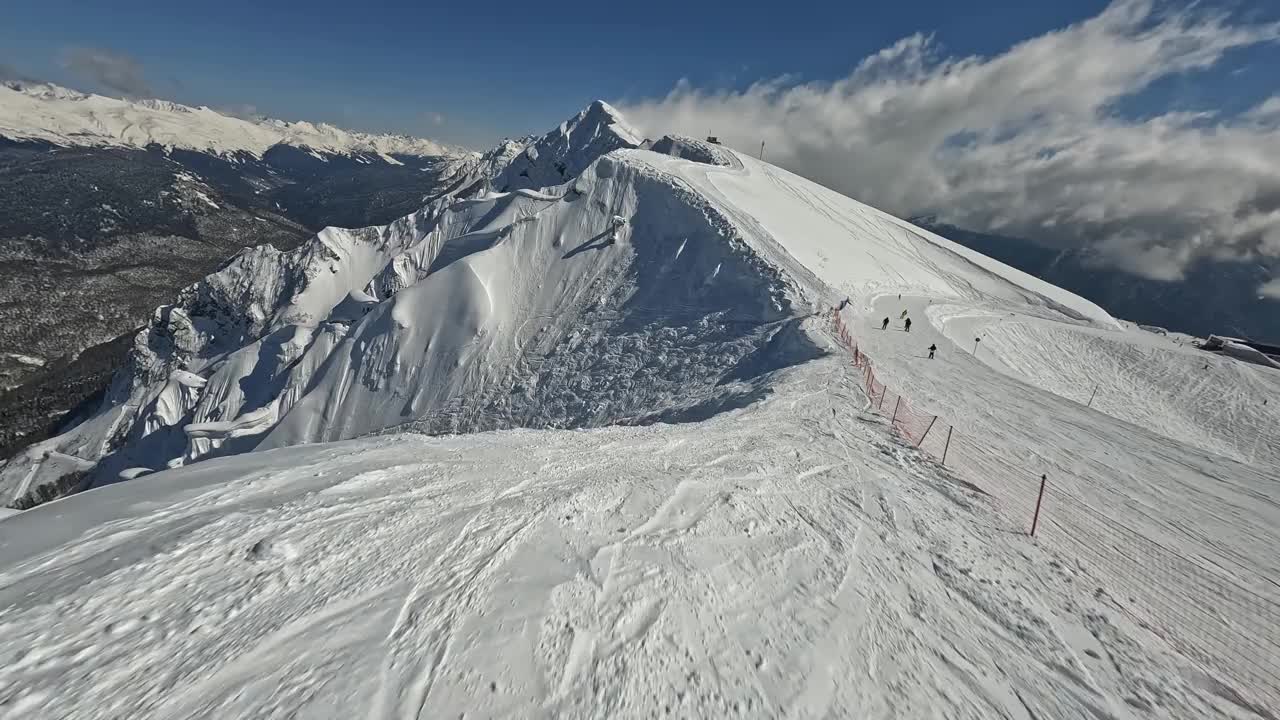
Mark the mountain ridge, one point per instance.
(66, 117)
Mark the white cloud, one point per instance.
(1270, 290)
(244, 111)
(1027, 142)
(1268, 111)
(109, 69)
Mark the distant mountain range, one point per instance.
(1216, 297)
(58, 115)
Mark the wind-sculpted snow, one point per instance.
(696, 150)
(627, 297)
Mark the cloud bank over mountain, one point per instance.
(1031, 141)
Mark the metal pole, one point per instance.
(947, 446)
(895, 410)
(1092, 396)
(926, 431)
(883, 392)
(1035, 519)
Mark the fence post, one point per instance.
(1092, 396)
(883, 392)
(1035, 519)
(896, 405)
(947, 447)
(926, 431)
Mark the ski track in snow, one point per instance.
(819, 568)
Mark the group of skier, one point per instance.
(906, 325)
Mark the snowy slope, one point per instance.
(41, 111)
(761, 547)
(784, 560)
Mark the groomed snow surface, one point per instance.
(786, 556)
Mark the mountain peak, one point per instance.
(601, 113)
(566, 151)
(600, 107)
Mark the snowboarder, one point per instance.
(885, 325)
(932, 349)
(907, 325)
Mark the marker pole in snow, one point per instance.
(1035, 519)
(946, 447)
(926, 431)
(976, 342)
(1092, 396)
(895, 410)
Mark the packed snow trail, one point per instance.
(1180, 494)
(788, 559)
(1185, 534)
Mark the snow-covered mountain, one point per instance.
(51, 113)
(693, 508)
(632, 292)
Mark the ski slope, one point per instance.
(787, 559)
(724, 529)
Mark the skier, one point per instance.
(932, 349)
(885, 325)
(903, 315)
(907, 325)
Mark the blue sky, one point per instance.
(495, 68)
